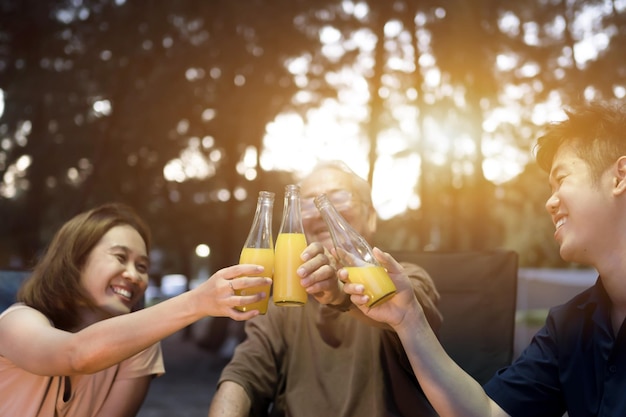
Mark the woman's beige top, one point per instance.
(28, 395)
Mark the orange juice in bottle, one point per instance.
(378, 286)
(287, 288)
(289, 246)
(259, 250)
(265, 258)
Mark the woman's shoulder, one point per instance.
(13, 307)
(23, 308)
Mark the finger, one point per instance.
(242, 315)
(240, 283)
(388, 261)
(321, 286)
(359, 300)
(353, 289)
(343, 275)
(235, 271)
(326, 275)
(312, 251)
(313, 265)
(243, 300)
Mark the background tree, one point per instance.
(166, 106)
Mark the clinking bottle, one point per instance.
(259, 249)
(355, 254)
(290, 244)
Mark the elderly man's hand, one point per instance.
(318, 275)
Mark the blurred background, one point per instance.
(186, 109)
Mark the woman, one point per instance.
(71, 345)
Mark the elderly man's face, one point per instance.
(337, 185)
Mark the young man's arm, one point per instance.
(450, 390)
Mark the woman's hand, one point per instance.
(218, 297)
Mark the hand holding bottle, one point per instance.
(355, 254)
(318, 275)
(400, 310)
(217, 296)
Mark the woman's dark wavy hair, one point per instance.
(54, 287)
(597, 131)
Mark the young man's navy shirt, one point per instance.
(574, 364)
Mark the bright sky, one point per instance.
(331, 131)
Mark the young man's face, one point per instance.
(582, 211)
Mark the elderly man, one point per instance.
(326, 358)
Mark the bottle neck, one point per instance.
(329, 213)
(260, 235)
(292, 216)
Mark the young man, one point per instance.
(326, 358)
(576, 362)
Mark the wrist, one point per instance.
(343, 305)
(413, 320)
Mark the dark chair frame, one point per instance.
(10, 282)
(478, 302)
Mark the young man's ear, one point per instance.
(620, 174)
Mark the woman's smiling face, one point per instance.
(115, 275)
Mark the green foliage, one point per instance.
(113, 91)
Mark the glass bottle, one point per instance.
(259, 249)
(355, 254)
(289, 246)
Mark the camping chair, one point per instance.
(478, 302)
(10, 282)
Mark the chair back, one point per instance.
(478, 302)
(10, 282)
